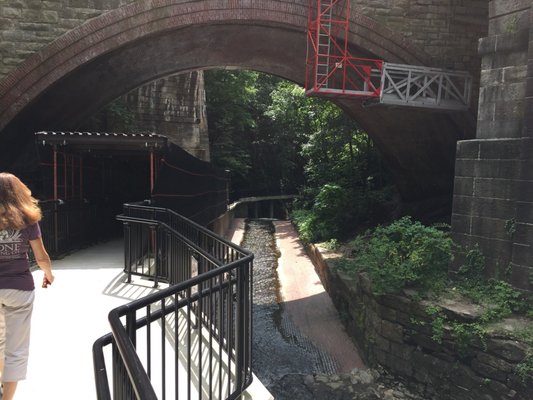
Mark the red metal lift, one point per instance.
(331, 71)
(330, 68)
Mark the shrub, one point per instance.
(525, 369)
(498, 297)
(404, 254)
(335, 212)
(329, 215)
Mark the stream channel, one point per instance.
(279, 348)
(285, 361)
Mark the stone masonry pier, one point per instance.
(493, 194)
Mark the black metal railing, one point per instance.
(191, 339)
(146, 256)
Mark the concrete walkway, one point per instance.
(71, 314)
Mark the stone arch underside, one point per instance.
(85, 69)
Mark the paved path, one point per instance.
(68, 317)
(308, 304)
(305, 300)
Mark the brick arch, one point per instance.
(144, 21)
(127, 47)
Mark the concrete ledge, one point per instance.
(504, 43)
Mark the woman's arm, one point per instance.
(43, 260)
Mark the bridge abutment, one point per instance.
(174, 107)
(493, 191)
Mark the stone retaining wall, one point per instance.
(395, 332)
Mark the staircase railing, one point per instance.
(143, 257)
(191, 339)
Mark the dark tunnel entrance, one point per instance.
(83, 180)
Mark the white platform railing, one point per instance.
(434, 88)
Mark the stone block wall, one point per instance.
(448, 30)
(485, 190)
(492, 193)
(395, 332)
(504, 70)
(28, 25)
(174, 107)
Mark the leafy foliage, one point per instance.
(406, 254)
(403, 254)
(525, 369)
(346, 183)
(229, 96)
(438, 323)
(498, 296)
(248, 136)
(274, 139)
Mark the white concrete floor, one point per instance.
(72, 313)
(68, 317)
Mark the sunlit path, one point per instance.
(69, 316)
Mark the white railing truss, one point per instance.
(416, 86)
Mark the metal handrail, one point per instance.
(174, 232)
(226, 286)
(141, 259)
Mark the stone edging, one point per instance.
(385, 331)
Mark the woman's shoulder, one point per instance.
(33, 230)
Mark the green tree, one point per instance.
(229, 104)
(262, 154)
(344, 183)
(274, 139)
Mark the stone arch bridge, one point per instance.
(61, 60)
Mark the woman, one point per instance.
(19, 230)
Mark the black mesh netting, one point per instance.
(190, 186)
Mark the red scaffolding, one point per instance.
(330, 68)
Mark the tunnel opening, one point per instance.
(418, 146)
(85, 178)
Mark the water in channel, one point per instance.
(279, 348)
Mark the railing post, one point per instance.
(127, 250)
(216, 301)
(154, 242)
(240, 333)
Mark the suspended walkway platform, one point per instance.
(332, 72)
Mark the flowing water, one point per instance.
(278, 347)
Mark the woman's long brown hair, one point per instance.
(17, 206)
